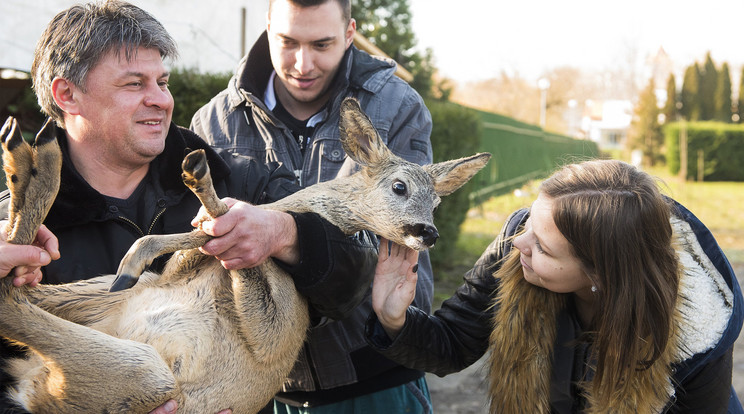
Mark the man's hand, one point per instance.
(395, 285)
(26, 261)
(171, 406)
(247, 235)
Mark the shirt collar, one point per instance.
(269, 99)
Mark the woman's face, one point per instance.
(547, 257)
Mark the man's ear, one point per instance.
(350, 30)
(64, 93)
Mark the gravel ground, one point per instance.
(465, 392)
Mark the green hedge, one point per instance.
(191, 90)
(722, 146)
(455, 134)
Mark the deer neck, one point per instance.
(337, 201)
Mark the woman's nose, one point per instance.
(521, 244)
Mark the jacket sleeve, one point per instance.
(409, 136)
(456, 335)
(709, 390)
(335, 270)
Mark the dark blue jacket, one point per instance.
(457, 335)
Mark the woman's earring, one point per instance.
(594, 289)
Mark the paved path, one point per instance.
(465, 392)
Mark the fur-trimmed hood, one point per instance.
(525, 348)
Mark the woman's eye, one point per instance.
(538, 247)
(399, 188)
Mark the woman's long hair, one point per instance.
(617, 222)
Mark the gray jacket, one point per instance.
(238, 120)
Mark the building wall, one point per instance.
(207, 32)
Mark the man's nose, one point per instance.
(159, 97)
(304, 60)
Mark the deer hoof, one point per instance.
(123, 282)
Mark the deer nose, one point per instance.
(428, 234)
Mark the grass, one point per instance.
(717, 204)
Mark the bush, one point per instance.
(456, 133)
(722, 146)
(191, 90)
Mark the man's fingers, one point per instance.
(48, 241)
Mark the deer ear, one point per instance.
(448, 176)
(359, 137)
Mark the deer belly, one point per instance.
(180, 322)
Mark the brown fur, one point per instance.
(210, 338)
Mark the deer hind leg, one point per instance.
(32, 174)
(196, 176)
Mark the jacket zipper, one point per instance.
(139, 230)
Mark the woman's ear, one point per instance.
(64, 93)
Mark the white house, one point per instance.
(607, 122)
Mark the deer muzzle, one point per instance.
(426, 232)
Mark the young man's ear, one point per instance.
(64, 94)
(350, 30)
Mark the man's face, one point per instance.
(126, 109)
(307, 45)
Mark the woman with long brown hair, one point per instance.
(604, 296)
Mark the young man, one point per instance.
(282, 105)
(98, 72)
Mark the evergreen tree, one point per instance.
(670, 107)
(387, 24)
(707, 91)
(645, 132)
(689, 96)
(723, 95)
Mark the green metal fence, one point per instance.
(522, 152)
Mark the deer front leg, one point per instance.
(147, 248)
(196, 176)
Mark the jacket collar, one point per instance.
(77, 202)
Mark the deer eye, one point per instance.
(399, 188)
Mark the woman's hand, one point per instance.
(395, 285)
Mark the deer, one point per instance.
(208, 337)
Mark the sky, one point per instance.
(478, 39)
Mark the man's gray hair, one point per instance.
(78, 38)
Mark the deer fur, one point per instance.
(208, 337)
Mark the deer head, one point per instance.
(398, 198)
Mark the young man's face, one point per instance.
(126, 108)
(307, 45)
